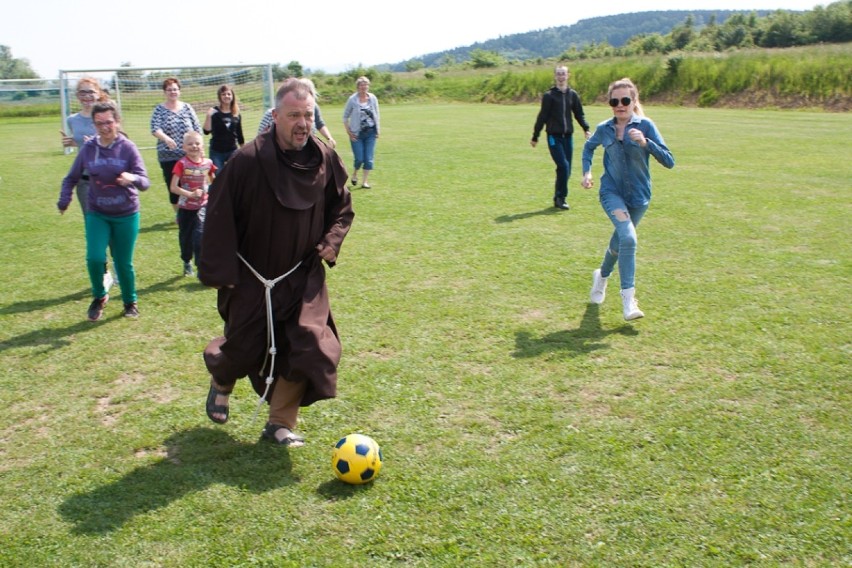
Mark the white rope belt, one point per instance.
(270, 324)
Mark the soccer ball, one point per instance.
(356, 459)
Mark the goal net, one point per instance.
(138, 90)
(24, 96)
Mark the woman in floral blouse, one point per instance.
(171, 120)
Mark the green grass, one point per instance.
(810, 77)
(519, 424)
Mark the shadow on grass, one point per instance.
(520, 216)
(335, 490)
(164, 226)
(56, 338)
(588, 337)
(195, 459)
(193, 284)
(33, 305)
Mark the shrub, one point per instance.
(708, 98)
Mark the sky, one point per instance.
(331, 36)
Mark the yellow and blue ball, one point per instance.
(356, 459)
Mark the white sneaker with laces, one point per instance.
(598, 292)
(631, 307)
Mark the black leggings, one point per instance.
(167, 175)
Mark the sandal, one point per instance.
(213, 408)
(290, 439)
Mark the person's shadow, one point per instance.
(156, 227)
(588, 337)
(56, 338)
(527, 215)
(195, 459)
(32, 305)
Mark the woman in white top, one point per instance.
(361, 120)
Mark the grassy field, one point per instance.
(520, 425)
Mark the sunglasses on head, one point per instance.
(623, 100)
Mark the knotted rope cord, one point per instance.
(270, 325)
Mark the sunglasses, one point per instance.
(85, 92)
(623, 100)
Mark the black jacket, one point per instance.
(556, 110)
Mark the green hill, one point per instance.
(551, 42)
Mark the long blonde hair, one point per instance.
(626, 83)
(100, 95)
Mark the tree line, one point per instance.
(660, 32)
(653, 32)
(829, 24)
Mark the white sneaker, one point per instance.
(108, 280)
(631, 307)
(598, 292)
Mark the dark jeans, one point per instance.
(219, 158)
(561, 149)
(167, 176)
(190, 229)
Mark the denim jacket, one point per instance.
(625, 162)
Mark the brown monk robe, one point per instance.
(274, 207)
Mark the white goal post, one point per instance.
(137, 90)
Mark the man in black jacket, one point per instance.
(557, 106)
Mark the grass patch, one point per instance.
(519, 424)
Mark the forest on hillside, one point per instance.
(782, 59)
(551, 42)
(653, 32)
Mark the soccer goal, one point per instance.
(138, 90)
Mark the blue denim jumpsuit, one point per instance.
(625, 187)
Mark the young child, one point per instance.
(192, 175)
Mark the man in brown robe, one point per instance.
(282, 205)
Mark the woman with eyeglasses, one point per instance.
(117, 174)
(170, 121)
(81, 129)
(629, 138)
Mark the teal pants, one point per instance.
(119, 233)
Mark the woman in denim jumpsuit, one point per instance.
(628, 139)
